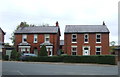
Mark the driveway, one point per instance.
(39, 68)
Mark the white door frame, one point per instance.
(88, 53)
(51, 50)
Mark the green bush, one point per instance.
(15, 55)
(106, 59)
(43, 51)
(46, 59)
(5, 57)
(98, 59)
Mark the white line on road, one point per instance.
(19, 72)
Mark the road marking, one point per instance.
(19, 72)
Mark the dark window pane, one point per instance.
(97, 53)
(73, 53)
(74, 36)
(98, 40)
(35, 39)
(47, 39)
(98, 36)
(86, 36)
(73, 49)
(86, 40)
(97, 49)
(25, 39)
(73, 40)
(85, 48)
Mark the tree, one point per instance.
(22, 24)
(43, 51)
(112, 43)
(15, 55)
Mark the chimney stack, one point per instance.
(103, 23)
(57, 24)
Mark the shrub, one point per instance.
(106, 59)
(5, 57)
(99, 59)
(43, 51)
(15, 55)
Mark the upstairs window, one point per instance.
(98, 38)
(86, 38)
(35, 38)
(24, 38)
(47, 38)
(74, 38)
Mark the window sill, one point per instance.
(98, 42)
(86, 42)
(34, 42)
(74, 42)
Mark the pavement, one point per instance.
(47, 68)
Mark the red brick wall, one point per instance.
(1, 36)
(54, 39)
(92, 43)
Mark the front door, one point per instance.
(86, 50)
(49, 50)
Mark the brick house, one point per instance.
(30, 39)
(2, 33)
(62, 46)
(86, 40)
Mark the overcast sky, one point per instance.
(66, 12)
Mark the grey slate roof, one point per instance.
(61, 42)
(86, 29)
(37, 29)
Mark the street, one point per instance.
(39, 68)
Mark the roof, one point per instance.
(86, 29)
(2, 31)
(37, 29)
(61, 42)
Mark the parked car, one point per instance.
(26, 56)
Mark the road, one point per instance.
(38, 68)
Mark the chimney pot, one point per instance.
(57, 24)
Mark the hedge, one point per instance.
(98, 59)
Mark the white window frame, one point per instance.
(86, 38)
(72, 49)
(74, 38)
(24, 36)
(28, 49)
(23, 49)
(35, 37)
(98, 38)
(45, 37)
(100, 49)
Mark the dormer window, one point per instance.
(24, 38)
